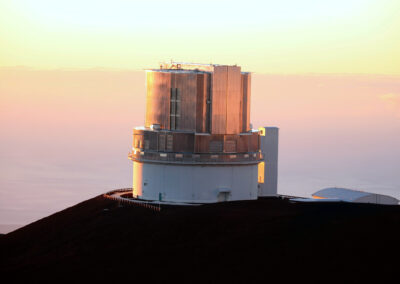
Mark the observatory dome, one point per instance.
(350, 195)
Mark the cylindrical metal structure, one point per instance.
(216, 102)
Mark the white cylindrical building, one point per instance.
(195, 183)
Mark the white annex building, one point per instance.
(197, 145)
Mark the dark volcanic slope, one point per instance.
(267, 238)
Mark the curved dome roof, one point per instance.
(351, 195)
(340, 193)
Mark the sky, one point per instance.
(287, 36)
(72, 87)
(66, 134)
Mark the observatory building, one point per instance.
(197, 145)
(355, 196)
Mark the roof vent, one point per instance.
(155, 127)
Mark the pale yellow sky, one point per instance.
(299, 36)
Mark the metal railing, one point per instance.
(199, 158)
(111, 195)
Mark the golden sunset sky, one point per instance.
(286, 37)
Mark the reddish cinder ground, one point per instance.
(243, 241)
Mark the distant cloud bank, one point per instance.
(392, 101)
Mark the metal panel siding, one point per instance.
(201, 143)
(246, 95)
(241, 120)
(149, 98)
(201, 106)
(230, 146)
(189, 142)
(233, 100)
(254, 143)
(207, 114)
(216, 146)
(219, 90)
(151, 137)
(161, 142)
(158, 99)
(186, 83)
(170, 142)
(249, 143)
(138, 141)
(242, 144)
(183, 142)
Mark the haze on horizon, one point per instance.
(66, 124)
(65, 135)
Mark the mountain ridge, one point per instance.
(240, 240)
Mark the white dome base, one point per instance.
(195, 183)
